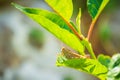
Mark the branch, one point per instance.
(91, 29)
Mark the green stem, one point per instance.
(92, 54)
(89, 48)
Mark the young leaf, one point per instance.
(62, 7)
(95, 7)
(114, 68)
(104, 60)
(54, 24)
(90, 66)
(115, 61)
(78, 21)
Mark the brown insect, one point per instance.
(71, 55)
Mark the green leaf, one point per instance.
(115, 61)
(54, 24)
(90, 66)
(78, 21)
(114, 68)
(104, 60)
(114, 74)
(63, 7)
(95, 7)
(50, 15)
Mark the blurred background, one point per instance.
(28, 52)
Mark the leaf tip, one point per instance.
(17, 6)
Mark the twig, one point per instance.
(91, 29)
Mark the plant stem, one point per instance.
(88, 38)
(75, 32)
(92, 54)
(72, 28)
(91, 29)
(89, 48)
